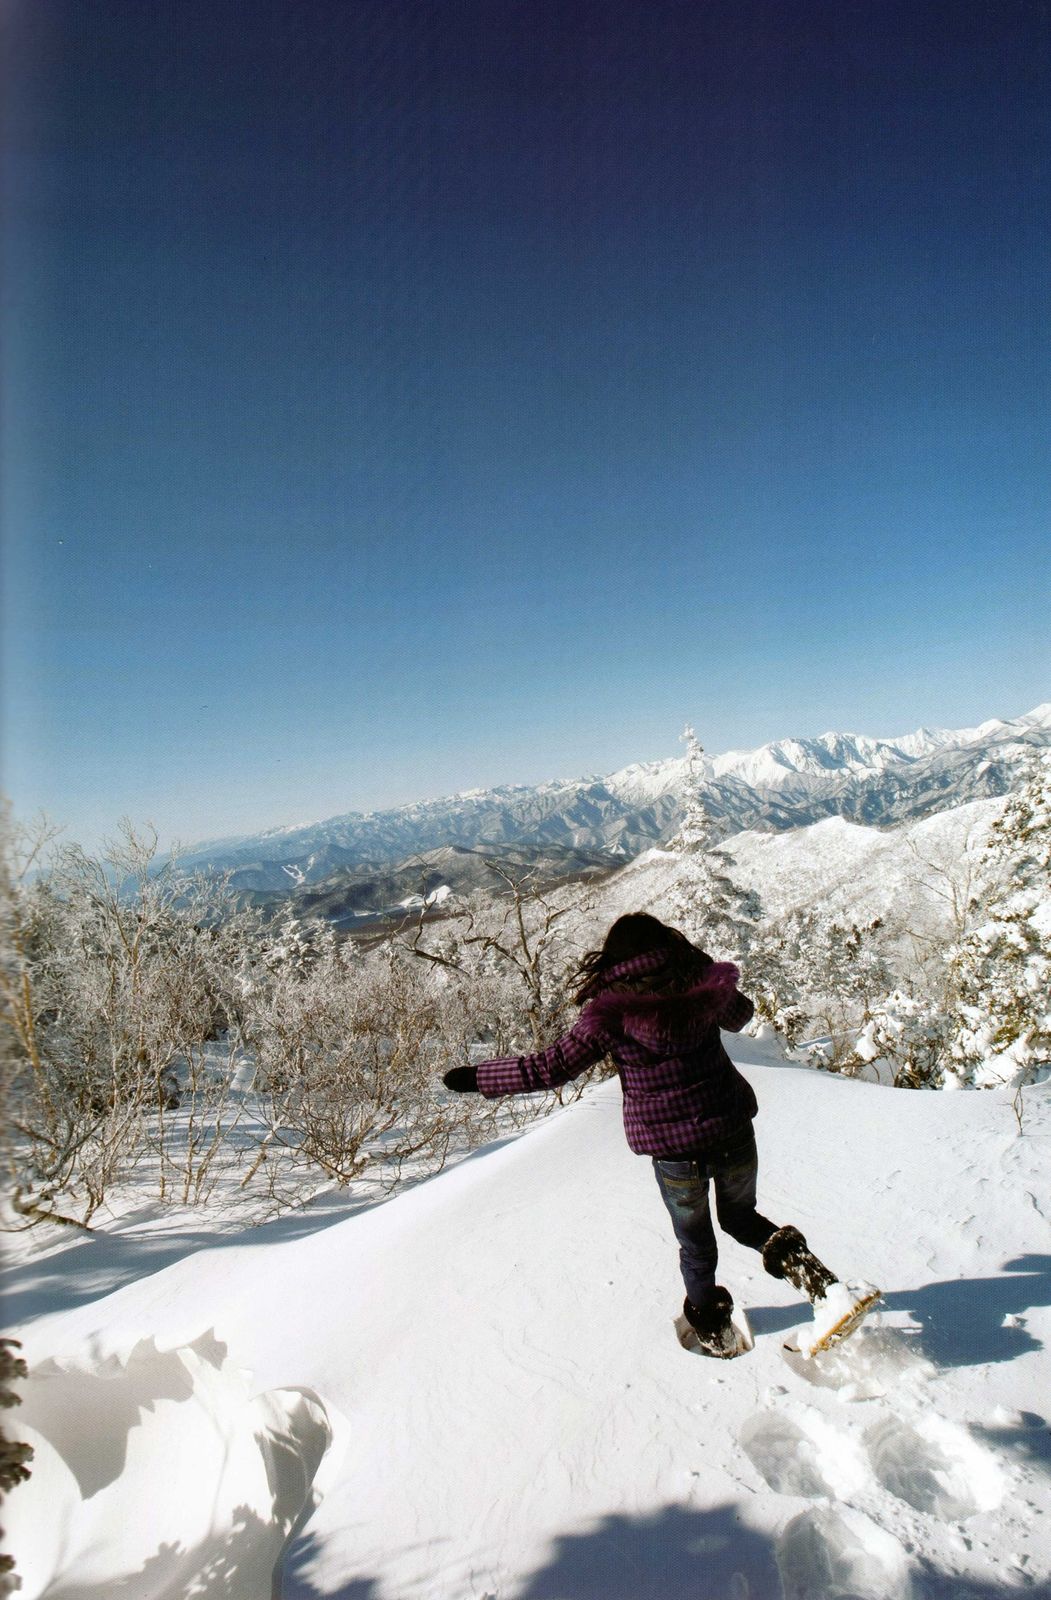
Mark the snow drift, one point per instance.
(170, 1439)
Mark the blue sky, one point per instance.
(404, 397)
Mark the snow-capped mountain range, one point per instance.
(788, 784)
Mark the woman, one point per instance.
(655, 1003)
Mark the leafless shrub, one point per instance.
(342, 1047)
(155, 1032)
(508, 960)
(113, 978)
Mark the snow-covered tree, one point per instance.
(904, 1038)
(981, 1015)
(706, 903)
(817, 980)
(514, 948)
(1000, 972)
(114, 973)
(15, 1455)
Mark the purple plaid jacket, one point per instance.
(682, 1093)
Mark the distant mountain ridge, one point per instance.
(787, 784)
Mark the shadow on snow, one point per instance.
(962, 1321)
(683, 1553)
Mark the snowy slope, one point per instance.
(511, 1417)
(845, 871)
(855, 873)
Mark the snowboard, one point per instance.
(689, 1341)
(835, 1319)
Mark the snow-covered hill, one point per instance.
(783, 785)
(849, 873)
(481, 1378)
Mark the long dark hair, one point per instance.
(638, 934)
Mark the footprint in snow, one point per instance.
(826, 1554)
(935, 1467)
(805, 1458)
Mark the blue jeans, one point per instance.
(683, 1184)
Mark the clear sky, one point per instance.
(403, 396)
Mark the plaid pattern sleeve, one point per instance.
(738, 1010)
(567, 1058)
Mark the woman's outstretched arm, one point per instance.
(567, 1058)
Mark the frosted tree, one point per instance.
(904, 1037)
(1000, 972)
(818, 981)
(706, 903)
(779, 982)
(515, 946)
(114, 973)
(292, 946)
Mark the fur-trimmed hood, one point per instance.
(668, 1021)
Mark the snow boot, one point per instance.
(710, 1321)
(786, 1255)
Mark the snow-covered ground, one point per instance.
(479, 1384)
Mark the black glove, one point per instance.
(462, 1080)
